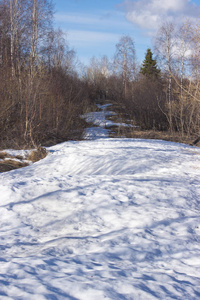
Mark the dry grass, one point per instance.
(164, 135)
(136, 132)
(19, 157)
(3, 155)
(38, 154)
(129, 132)
(9, 164)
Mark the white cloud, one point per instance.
(76, 18)
(151, 13)
(168, 5)
(145, 19)
(100, 20)
(86, 37)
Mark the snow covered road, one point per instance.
(103, 219)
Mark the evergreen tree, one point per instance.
(149, 67)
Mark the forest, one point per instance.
(44, 89)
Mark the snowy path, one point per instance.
(101, 122)
(103, 219)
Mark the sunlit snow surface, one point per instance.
(103, 219)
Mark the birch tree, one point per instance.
(41, 13)
(40, 24)
(166, 45)
(18, 31)
(124, 61)
(4, 35)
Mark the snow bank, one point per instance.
(103, 219)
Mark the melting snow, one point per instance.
(103, 219)
(99, 119)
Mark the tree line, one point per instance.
(163, 93)
(43, 93)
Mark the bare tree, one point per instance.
(178, 48)
(165, 47)
(41, 95)
(41, 12)
(97, 74)
(56, 52)
(4, 36)
(18, 23)
(40, 24)
(124, 61)
(182, 70)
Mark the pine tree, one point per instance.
(149, 67)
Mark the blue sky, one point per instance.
(94, 27)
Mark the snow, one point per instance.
(103, 219)
(99, 119)
(22, 153)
